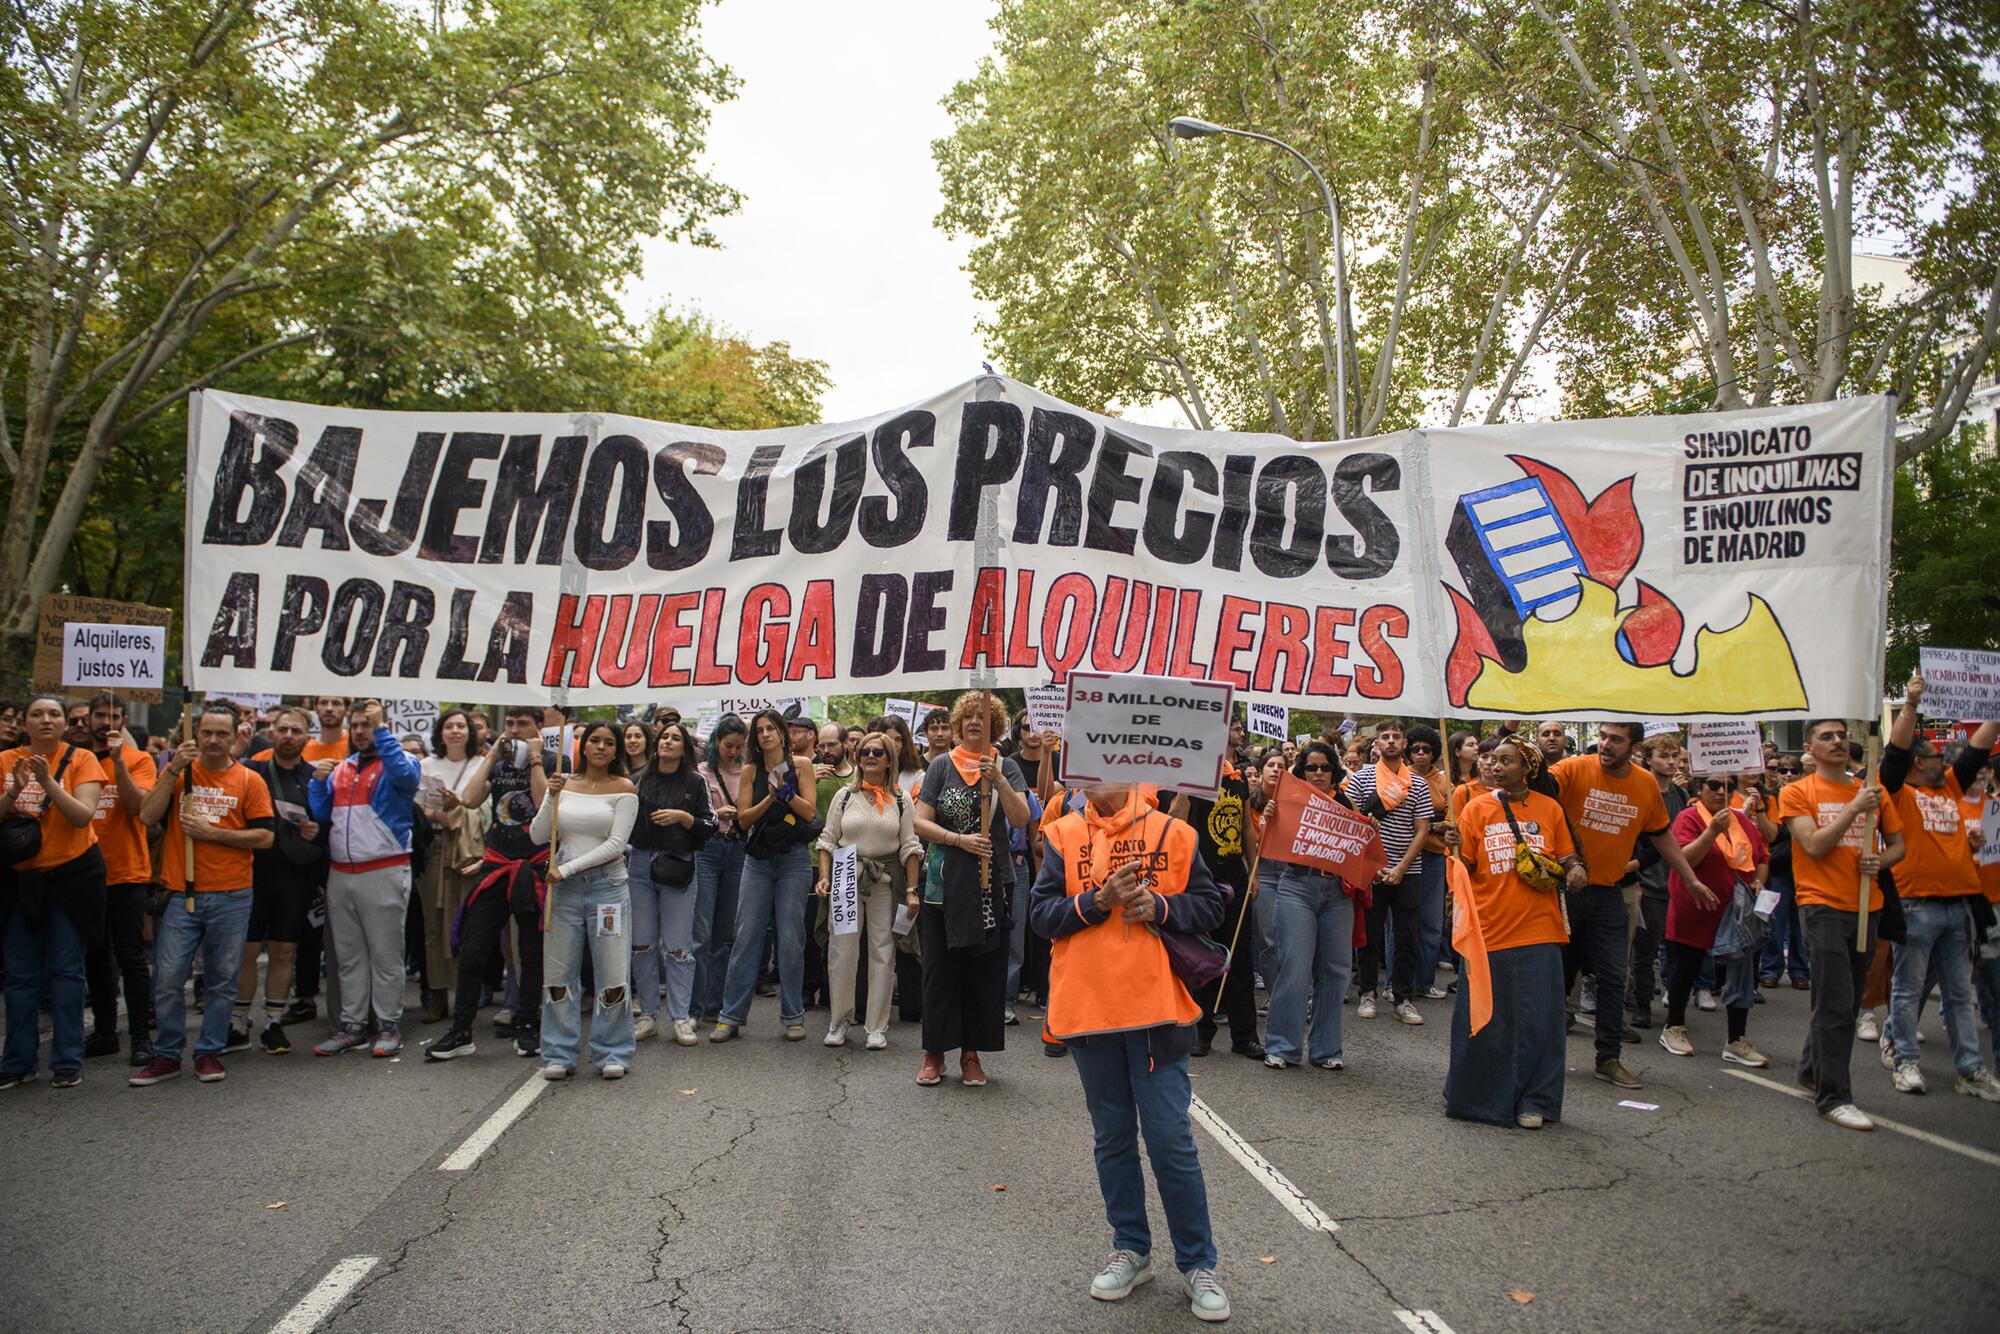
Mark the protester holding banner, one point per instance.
(53, 898)
(1827, 813)
(870, 816)
(590, 908)
(119, 953)
(718, 868)
(1515, 844)
(674, 827)
(971, 794)
(775, 806)
(1114, 877)
(1313, 924)
(457, 842)
(1939, 884)
(1729, 855)
(220, 811)
(1263, 908)
(368, 802)
(1399, 801)
(1035, 752)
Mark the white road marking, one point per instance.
(1937, 1141)
(1310, 1215)
(482, 1139)
(331, 1291)
(1424, 1322)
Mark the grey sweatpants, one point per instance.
(364, 914)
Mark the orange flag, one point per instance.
(1470, 941)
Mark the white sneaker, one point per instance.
(1586, 998)
(877, 1042)
(1365, 1010)
(1407, 1012)
(684, 1032)
(1436, 993)
(1865, 1028)
(612, 1070)
(837, 1036)
(1980, 1084)
(1704, 1000)
(1276, 1062)
(643, 1027)
(1206, 1300)
(553, 1072)
(1126, 1271)
(1907, 1078)
(1674, 1037)
(1888, 1054)
(1740, 1052)
(1848, 1117)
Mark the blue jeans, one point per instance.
(780, 882)
(1937, 946)
(1017, 946)
(662, 938)
(1128, 1094)
(216, 927)
(1313, 922)
(718, 875)
(574, 926)
(1430, 920)
(1987, 980)
(49, 950)
(1784, 932)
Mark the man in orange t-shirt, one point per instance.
(119, 953)
(222, 810)
(1938, 881)
(1611, 803)
(1824, 812)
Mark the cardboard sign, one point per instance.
(1271, 720)
(906, 709)
(1725, 746)
(1047, 707)
(1309, 828)
(61, 609)
(408, 716)
(113, 657)
(1146, 729)
(844, 892)
(1960, 682)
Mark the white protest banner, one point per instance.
(1661, 727)
(1634, 567)
(410, 716)
(1960, 682)
(1047, 707)
(113, 657)
(1269, 720)
(1989, 833)
(844, 892)
(1146, 729)
(1725, 746)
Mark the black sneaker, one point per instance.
(1253, 1049)
(1054, 1049)
(1200, 1047)
(273, 1039)
(99, 1043)
(302, 1011)
(239, 1040)
(506, 1030)
(527, 1045)
(1642, 1018)
(65, 1079)
(457, 1042)
(142, 1053)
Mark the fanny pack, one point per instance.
(671, 870)
(21, 835)
(1535, 867)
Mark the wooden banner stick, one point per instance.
(1229, 960)
(187, 839)
(1869, 778)
(986, 789)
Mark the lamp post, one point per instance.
(1188, 127)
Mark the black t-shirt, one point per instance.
(1218, 829)
(510, 790)
(1031, 770)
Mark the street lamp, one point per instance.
(1188, 127)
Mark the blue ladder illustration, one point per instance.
(1527, 547)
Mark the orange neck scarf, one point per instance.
(1734, 845)
(1134, 810)
(1391, 785)
(880, 796)
(967, 764)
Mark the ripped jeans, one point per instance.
(662, 938)
(581, 919)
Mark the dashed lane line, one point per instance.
(1936, 1141)
(1310, 1215)
(327, 1294)
(489, 1132)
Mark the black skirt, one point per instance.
(1515, 1064)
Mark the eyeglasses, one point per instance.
(873, 753)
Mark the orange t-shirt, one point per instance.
(61, 840)
(314, 751)
(1609, 814)
(127, 860)
(1440, 799)
(1973, 810)
(1832, 881)
(1939, 861)
(1511, 911)
(232, 799)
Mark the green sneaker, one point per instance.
(1206, 1298)
(723, 1032)
(795, 1032)
(1127, 1270)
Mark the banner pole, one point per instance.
(187, 786)
(1874, 772)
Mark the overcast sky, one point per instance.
(829, 141)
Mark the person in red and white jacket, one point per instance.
(367, 803)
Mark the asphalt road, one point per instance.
(766, 1186)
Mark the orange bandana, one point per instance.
(1734, 845)
(1116, 823)
(967, 764)
(880, 796)
(1391, 786)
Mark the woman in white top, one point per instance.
(458, 833)
(591, 813)
(875, 819)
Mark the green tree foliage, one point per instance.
(1941, 586)
(349, 200)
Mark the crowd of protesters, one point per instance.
(644, 882)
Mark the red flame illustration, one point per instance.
(1606, 530)
(1470, 651)
(1653, 631)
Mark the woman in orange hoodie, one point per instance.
(1114, 875)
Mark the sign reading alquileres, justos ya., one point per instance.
(1694, 566)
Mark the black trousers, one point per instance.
(1236, 993)
(306, 962)
(963, 1005)
(118, 955)
(1839, 976)
(1597, 925)
(1646, 951)
(1398, 908)
(486, 918)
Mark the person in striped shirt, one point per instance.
(1399, 799)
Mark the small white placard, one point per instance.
(906, 918)
(1660, 727)
(844, 892)
(407, 716)
(906, 709)
(113, 657)
(1989, 833)
(1767, 903)
(1958, 682)
(1146, 729)
(1271, 720)
(1725, 746)
(1047, 707)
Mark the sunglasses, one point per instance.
(1714, 785)
(873, 753)
(1420, 748)
(1316, 768)
(1790, 769)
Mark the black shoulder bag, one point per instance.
(21, 835)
